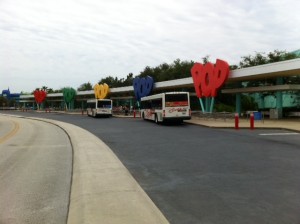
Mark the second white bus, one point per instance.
(99, 107)
(171, 106)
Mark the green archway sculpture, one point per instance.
(69, 96)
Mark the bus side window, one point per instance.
(146, 104)
(149, 104)
(157, 104)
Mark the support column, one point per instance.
(279, 81)
(238, 99)
(207, 104)
(238, 107)
(62, 105)
(262, 100)
(72, 103)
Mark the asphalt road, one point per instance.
(202, 175)
(35, 172)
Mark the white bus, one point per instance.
(172, 106)
(99, 107)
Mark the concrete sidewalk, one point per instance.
(288, 124)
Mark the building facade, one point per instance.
(275, 88)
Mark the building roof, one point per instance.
(283, 68)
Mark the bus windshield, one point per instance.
(176, 100)
(104, 104)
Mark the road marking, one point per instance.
(11, 133)
(288, 133)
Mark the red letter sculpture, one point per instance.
(209, 78)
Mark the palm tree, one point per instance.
(44, 88)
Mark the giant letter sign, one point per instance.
(69, 94)
(142, 86)
(101, 91)
(209, 78)
(39, 96)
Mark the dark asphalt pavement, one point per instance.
(203, 175)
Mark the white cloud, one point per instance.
(61, 43)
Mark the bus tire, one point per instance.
(156, 119)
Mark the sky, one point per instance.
(65, 43)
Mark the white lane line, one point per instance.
(288, 133)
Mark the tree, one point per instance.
(205, 59)
(248, 103)
(128, 81)
(85, 86)
(50, 90)
(44, 88)
(110, 81)
(260, 58)
(164, 72)
(277, 56)
(3, 101)
(148, 71)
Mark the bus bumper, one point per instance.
(176, 118)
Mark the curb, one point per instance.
(103, 190)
